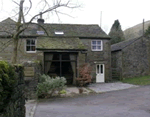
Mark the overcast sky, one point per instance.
(128, 12)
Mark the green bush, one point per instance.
(47, 85)
(63, 91)
(7, 83)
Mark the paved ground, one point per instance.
(72, 91)
(133, 102)
(105, 87)
(30, 108)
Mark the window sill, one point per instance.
(31, 52)
(96, 50)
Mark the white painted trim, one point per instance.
(59, 32)
(96, 46)
(100, 71)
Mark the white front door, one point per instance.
(100, 73)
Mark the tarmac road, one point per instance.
(133, 102)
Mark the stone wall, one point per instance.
(6, 51)
(32, 81)
(98, 57)
(133, 59)
(101, 57)
(16, 104)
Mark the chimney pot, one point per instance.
(40, 20)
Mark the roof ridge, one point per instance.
(7, 19)
(126, 43)
(71, 24)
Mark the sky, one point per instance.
(128, 12)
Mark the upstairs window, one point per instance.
(40, 32)
(30, 45)
(59, 32)
(96, 45)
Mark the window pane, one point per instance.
(94, 42)
(28, 48)
(101, 69)
(99, 42)
(33, 42)
(94, 47)
(28, 42)
(32, 48)
(48, 56)
(97, 69)
(99, 47)
(56, 56)
(65, 56)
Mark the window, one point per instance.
(59, 32)
(40, 32)
(30, 45)
(96, 45)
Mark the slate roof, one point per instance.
(70, 30)
(7, 26)
(76, 30)
(59, 43)
(119, 46)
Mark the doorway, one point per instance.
(100, 70)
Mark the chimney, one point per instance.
(40, 21)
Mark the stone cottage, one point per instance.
(132, 57)
(61, 48)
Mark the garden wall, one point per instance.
(32, 71)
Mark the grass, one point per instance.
(143, 80)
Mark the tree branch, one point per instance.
(5, 45)
(29, 8)
(16, 2)
(53, 8)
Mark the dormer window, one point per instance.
(40, 32)
(59, 32)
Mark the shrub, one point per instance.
(7, 83)
(63, 91)
(47, 85)
(84, 75)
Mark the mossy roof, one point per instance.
(59, 43)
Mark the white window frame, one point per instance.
(31, 45)
(40, 32)
(96, 45)
(59, 33)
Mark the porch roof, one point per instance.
(59, 43)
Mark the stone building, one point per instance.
(60, 48)
(132, 57)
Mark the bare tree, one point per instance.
(22, 25)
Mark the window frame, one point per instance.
(96, 45)
(30, 45)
